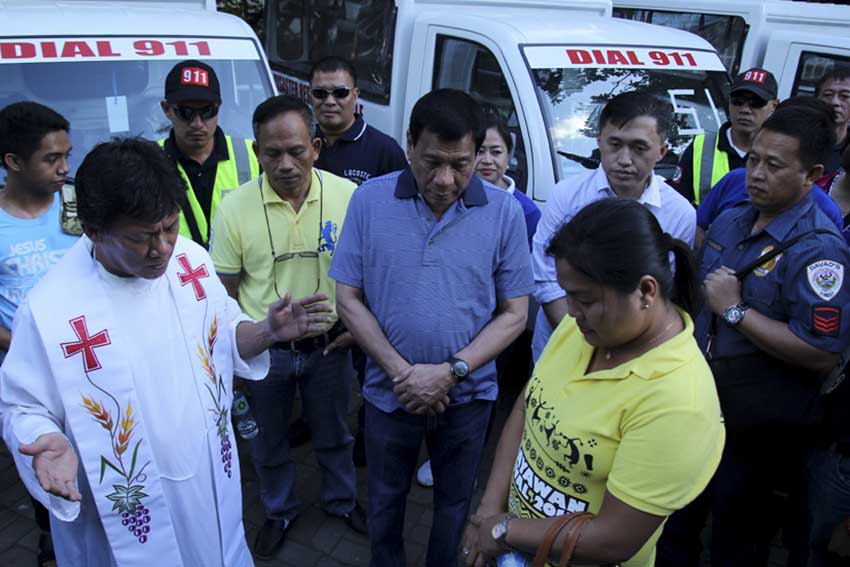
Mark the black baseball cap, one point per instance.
(192, 81)
(760, 82)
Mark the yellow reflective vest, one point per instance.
(710, 164)
(240, 167)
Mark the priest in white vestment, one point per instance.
(116, 391)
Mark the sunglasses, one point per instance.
(338, 93)
(751, 101)
(187, 114)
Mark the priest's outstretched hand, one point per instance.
(291, 319)
(287, 320)
(55, 465)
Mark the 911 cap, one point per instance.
(192, 81)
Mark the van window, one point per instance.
(811, 67)
(469, 66)
(102, 99)
(726, 34)
(300, 32)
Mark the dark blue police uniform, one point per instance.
(771, 407)
(361, 153)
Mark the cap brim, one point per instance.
(190, 93)
(757, 90)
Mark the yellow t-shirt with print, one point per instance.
(649, 431)
(243, 238)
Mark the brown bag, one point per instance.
(576, 523)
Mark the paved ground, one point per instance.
(314, 540)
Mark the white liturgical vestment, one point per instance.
(138, 375)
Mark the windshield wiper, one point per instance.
(586, 162)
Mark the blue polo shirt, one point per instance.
(432, 285)
(731, 191)
(804, 286)
(361, 153)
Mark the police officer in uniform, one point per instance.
(210, 162)
(711, 156)
(770, 333)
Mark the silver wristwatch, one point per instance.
(734, 314)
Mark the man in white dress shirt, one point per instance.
(633, 130)
(116, 391)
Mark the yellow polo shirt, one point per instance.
(241, 246)
(649, 431)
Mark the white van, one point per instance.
(547, 68)
(102, 64)
(797, 41)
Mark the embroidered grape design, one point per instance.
(137, 522)
(226, 456)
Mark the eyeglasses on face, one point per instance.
(751, 101)
(338, 93)
(187, 114)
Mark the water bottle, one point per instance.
(246, 425)
(513, 559)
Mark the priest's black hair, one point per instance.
(132, 177)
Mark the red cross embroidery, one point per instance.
(192, 275)
(86, 344)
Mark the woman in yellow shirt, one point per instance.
(621, 416)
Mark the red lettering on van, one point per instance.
(579, 56)
(76, 49)
(17, 50)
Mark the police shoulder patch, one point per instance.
(825, 278)
(826, 320)
(677, 177)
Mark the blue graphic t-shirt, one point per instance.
(28, 247)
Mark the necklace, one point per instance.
(655, 339)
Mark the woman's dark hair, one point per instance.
(129, 176)
(493, 120)
(615, 242)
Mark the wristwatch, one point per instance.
(500, 529)
(459, 368)
(734, 314)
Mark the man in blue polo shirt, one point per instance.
(433, 275)
(350, 147)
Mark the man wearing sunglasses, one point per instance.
(350, 147)
(273, 236)
(210, 162)
(711, 156)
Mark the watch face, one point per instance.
(733, 315)
(460, 368)
(499, 529)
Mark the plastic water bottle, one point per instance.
(513, 559)
(246, 425)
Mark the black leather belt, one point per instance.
(312, 344)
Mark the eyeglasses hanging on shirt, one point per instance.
(286, 256)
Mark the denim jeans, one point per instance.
(829, 503)
(325, 386)
(455, 441)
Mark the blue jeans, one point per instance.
(829, 503)
(325, 386)
(455, 441)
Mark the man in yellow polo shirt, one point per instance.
(210, 162)
(273, 236)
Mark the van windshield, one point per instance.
(574, 83)
(104, 97)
